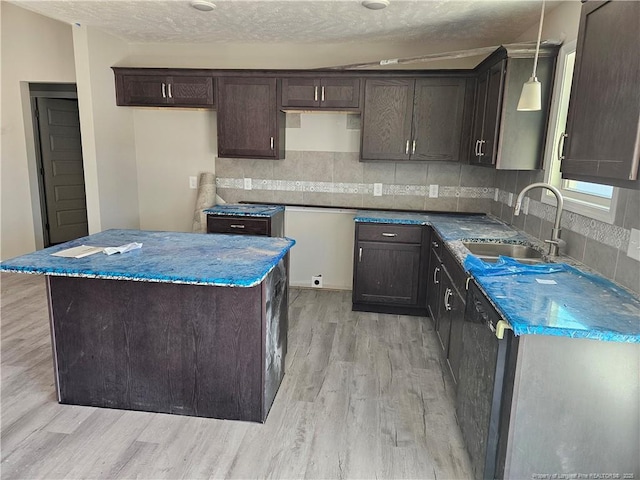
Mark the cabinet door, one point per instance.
(438, 108)
(455, 313)
(190, 91)
(478, 118)
(433, 290)
(300, 92)
(447, 293)
(603, 123)
(247, 117)
(386, 121)
(142, 90)
(386, 273)
(340, 92)
(491, 125)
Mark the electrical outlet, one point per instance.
(633, 250)
(433, 191)
(247, 184)
(316, 281)
(377, 189)
(193, 182)
(510, 199)
(496, 195)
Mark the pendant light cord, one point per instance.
(535, 58)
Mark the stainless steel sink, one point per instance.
(490, 252)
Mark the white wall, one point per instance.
(561, 23)
(34, 49)
(108, 142)
(171, 145)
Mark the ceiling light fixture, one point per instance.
(375, 4)
(531, 96)
(202, 5)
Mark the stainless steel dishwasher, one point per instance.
(485, 387)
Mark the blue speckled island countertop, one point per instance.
(244, 210)
(170, 257)
(570, 303)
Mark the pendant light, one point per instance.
(531, 96)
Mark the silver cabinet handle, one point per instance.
(169, 90)
(476, 148)
(447, 295)
(360, 254)
(434, 244)
(466, 284)
(389, 234)
(413, 148)
(406, 148)
(164, 91)
(480, 152)
(561, 146)
(271, 143)
(322, 95)
(315, 94)
(435, 276)
(236, 226)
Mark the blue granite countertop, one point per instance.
(573, 303)
(244, 210)
(171, 257)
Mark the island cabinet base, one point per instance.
(198, 350)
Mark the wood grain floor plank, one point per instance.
(363, 397)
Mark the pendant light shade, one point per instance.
(531, 96)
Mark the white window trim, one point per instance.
(571, 204)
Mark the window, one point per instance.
(589, 199)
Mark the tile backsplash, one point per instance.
(337, 178)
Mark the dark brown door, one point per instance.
(447, 293)
(387, 117)
(437, 119)
(433, 290)
(190, 91)
(62, 169)
(300, 92)
(489, 147)
(455, 313)
(247, 117)
(340, 92)
(604, 107)
(387, 273)
(478, 118)
(144, 90)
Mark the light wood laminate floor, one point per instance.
(363, 397)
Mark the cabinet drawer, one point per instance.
(390, 233)
(238, 225)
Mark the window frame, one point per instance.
(590, 206)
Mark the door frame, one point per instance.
(43, 90)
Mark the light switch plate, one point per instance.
(634, 244)
(510, 199)
(377, 189)
(247, 184)
(193, 182)
(433, 191)
(496, 195)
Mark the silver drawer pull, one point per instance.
(169, 90)
(360, 255)
(164, 91)
(237, 226)
(406, 148)
(434, 244)
(315, 94)
(435, 274)
(389, 234)
(447, 294)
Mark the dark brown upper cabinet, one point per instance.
(413, 119)
(163, 88)
(602, 143)
(502, 137)
(249, 122)
(321, 93)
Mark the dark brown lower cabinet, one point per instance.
(390, 268)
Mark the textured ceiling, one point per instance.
(479, 22)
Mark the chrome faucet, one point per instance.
(556, 243)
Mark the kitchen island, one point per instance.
(190, 324)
